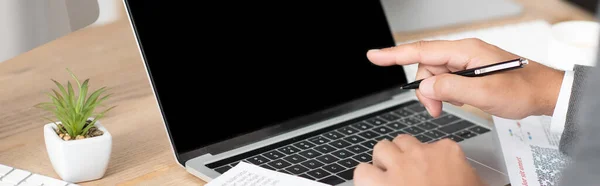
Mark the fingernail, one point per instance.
(374, 50)
(426, 87)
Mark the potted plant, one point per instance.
(78, 146)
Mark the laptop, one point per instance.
(286, 85)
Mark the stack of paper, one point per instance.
(245, 174)
(530, 150)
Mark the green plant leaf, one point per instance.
(94, 97)
(71, 97)
(60, 86)
(74, 77)
(96, 118)
(82, 94)
(73, 109)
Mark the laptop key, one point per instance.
(332, 180)
(273, 155)
(369, 144)
(333, 168)
(479, 129)
(357, 149)
(410, 121)
(382, 130)
(318, 173)
(223, 169)
(333, 135)
(327, 159)
(284, 171)
(427, 125)
(413, 130)
(453, 137)
(455, 127)
(382, 137)
(402, 113)
(348, 163)
(319, 140)
(435, 134)
(396, 125)
(304, 145)
(347, 130)
(312, 164)
(289, 149)
(445, 120)
(389, 117)
(354, 139)
(465, 134)
(417, 107)
(340, 144)
(375, 121)
(423, 138)
(266, 166)
(306, 176)
(257, 160)
(325, 149)
(368, 134)
(347, 174)
(363, 157)
(395, 134)
(361, 126)
(296, 169)
(279, 164)
(310, 153)
(342, 153)
(423, 116)
(234, 163)
(294, 158)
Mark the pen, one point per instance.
(480, 71)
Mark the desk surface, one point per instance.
(108, 55)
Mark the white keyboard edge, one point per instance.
(11, 176)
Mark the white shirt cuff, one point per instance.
(562, 104)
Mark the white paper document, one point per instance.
(530, 150)
(245, 174)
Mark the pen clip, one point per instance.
(504, 66)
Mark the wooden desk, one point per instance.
(109, 56)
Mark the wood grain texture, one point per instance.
(108, 55)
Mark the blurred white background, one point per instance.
(26, 24)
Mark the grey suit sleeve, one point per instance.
(582, 139)
(569, 136)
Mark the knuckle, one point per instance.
(359, 170)
(397, 138)
(417, 152)
(378, 146)
(475, 41)
(451, 146)
(420, 44)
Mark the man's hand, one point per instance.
(408, 162)
(514, 94)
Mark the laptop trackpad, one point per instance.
(485, 155)
(490, 176)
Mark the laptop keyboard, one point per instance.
(330, 155)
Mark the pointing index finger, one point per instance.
(438, 52)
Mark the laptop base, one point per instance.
(313, 152)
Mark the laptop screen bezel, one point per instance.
(290, 125)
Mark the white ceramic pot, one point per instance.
(78, 160)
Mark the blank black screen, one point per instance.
(225, 68)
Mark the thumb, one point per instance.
(455, 88)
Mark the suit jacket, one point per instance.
(581, 137)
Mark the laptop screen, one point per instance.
(224, 70)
